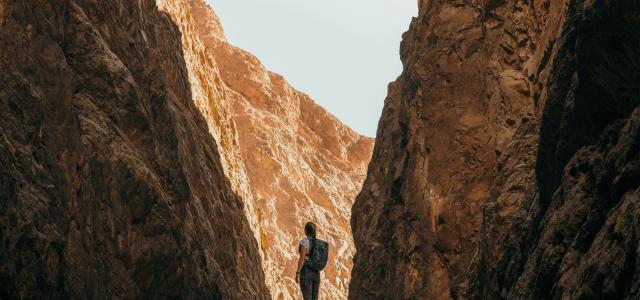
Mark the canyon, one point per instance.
(303, 164)
(115, 184)
(506, 163)
(144, 156)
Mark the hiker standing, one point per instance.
(313, 258)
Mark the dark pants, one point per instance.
(309, 284)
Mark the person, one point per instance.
(309, 279)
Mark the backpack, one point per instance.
(318, 255)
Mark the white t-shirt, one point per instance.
(305, 243)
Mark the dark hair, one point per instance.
(310, 229)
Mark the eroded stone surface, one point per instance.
(570, 232)
(506, 162)
(302, 162)
(124, 170)
(121, 175)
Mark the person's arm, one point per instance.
(302, 250)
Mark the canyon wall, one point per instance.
(121, 174)
(302, 162)
(507, 160)
(126, 127)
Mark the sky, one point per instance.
(342, 53)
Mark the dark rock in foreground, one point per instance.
(111, 184)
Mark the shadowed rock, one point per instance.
(112, 183)
(506, 161)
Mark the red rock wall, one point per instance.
(302, 162)
(506, 162)
(113, 182)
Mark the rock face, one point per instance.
(121, 175)
(303, 163)
(507, 158)
(123, 171)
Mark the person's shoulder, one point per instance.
(305, 242)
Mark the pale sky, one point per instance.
(342, 53)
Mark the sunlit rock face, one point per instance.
(302, 162)
(507, 158)
(212, 98)
(121, 174)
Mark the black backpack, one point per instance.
(318, 255)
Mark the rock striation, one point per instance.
(506, 163)
(121, 174)
(303, 164)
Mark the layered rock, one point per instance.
(302, 162)
(121, 175)
(506, 160)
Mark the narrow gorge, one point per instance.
(302, 163)
(142, 155)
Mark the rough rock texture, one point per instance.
(121, 175)
(213, 98)
(569, 229)
(302, 162)
(506, 162)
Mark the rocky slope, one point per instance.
(121, 175)
(506, 163)
(303, 163)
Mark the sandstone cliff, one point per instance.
(506, 162)
(121, 175)
(303, 163)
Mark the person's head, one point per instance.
(310, 230)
